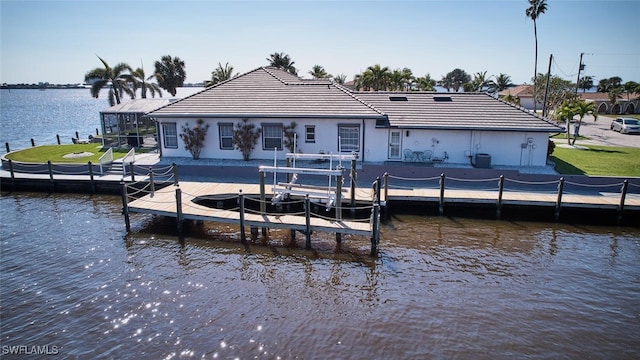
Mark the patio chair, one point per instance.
(408, 155)
(426, 156)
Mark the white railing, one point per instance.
(106, 158)
(131, 154)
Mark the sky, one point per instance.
(59, 41)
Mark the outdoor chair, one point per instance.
(408, 155)
(426, 156)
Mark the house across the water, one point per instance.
(424, 127)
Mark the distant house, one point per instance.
(422, 127)
(624, 104)
(524, 93)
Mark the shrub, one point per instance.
(194, 138)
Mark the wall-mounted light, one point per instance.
(407, 133)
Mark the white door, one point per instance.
(394, 144)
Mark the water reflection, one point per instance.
(441, 288)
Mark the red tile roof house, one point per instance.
(389, 128)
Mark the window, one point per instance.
(226, 136)
(170, 135)
(272, 136)
(310, 134)
(348, 138)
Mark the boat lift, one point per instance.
(330, 195)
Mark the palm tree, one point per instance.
(426, 83)
(565, 112)
(282, 61)
(536, 8)
(630, 87)
(478, 83)
(585, 83)
(510, 98)
(108, 76)
(583, 108)
(446, 82)
(318, 72)
(220, 74)
(401, 80)
(170, 73)
(378, 77)
(140, 81)
(614, 94)
(502, 82)
(340, 79)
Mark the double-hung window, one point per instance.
(226, 136)
(271, 136)
(310, 133)
(348, 138)
(170, 135)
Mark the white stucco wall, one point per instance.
(458, 146)
(326, 137)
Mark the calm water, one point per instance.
(40, 115)
(441, 288)
(73, 280)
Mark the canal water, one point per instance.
(75, 283)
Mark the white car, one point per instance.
(626, 125)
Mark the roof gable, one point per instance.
(270, 92)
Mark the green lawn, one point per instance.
(597, 160)
(55, 153)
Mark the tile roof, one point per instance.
(270, 92)
(139, 105)
(520, 90)
(463, 111)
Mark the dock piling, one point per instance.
(152, 185)
(51, 180)
(500, 190)
(179, 216)
(375, 228)
(125, 206)
(91, 179)
(559, 199)
(623, 195)
(307, 216)
(243, 235)
(441, 200)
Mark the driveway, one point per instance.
(600, 133)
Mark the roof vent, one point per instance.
(398, 98)
(442, 98)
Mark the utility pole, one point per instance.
(580, 68)
(546, 90)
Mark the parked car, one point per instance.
(626, 125)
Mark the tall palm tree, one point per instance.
(318, 72)
(108, 76)
(585, 83)
(220, 74)
(141, 81)
(536, 8)
(501, 82)
(401, 80)
(170, 73)
(282, 61)
(426, 83)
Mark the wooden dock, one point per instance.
(180, 202)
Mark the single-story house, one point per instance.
(379, 126)
(625, 104)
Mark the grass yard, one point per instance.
(597, 160)
(56, 153)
